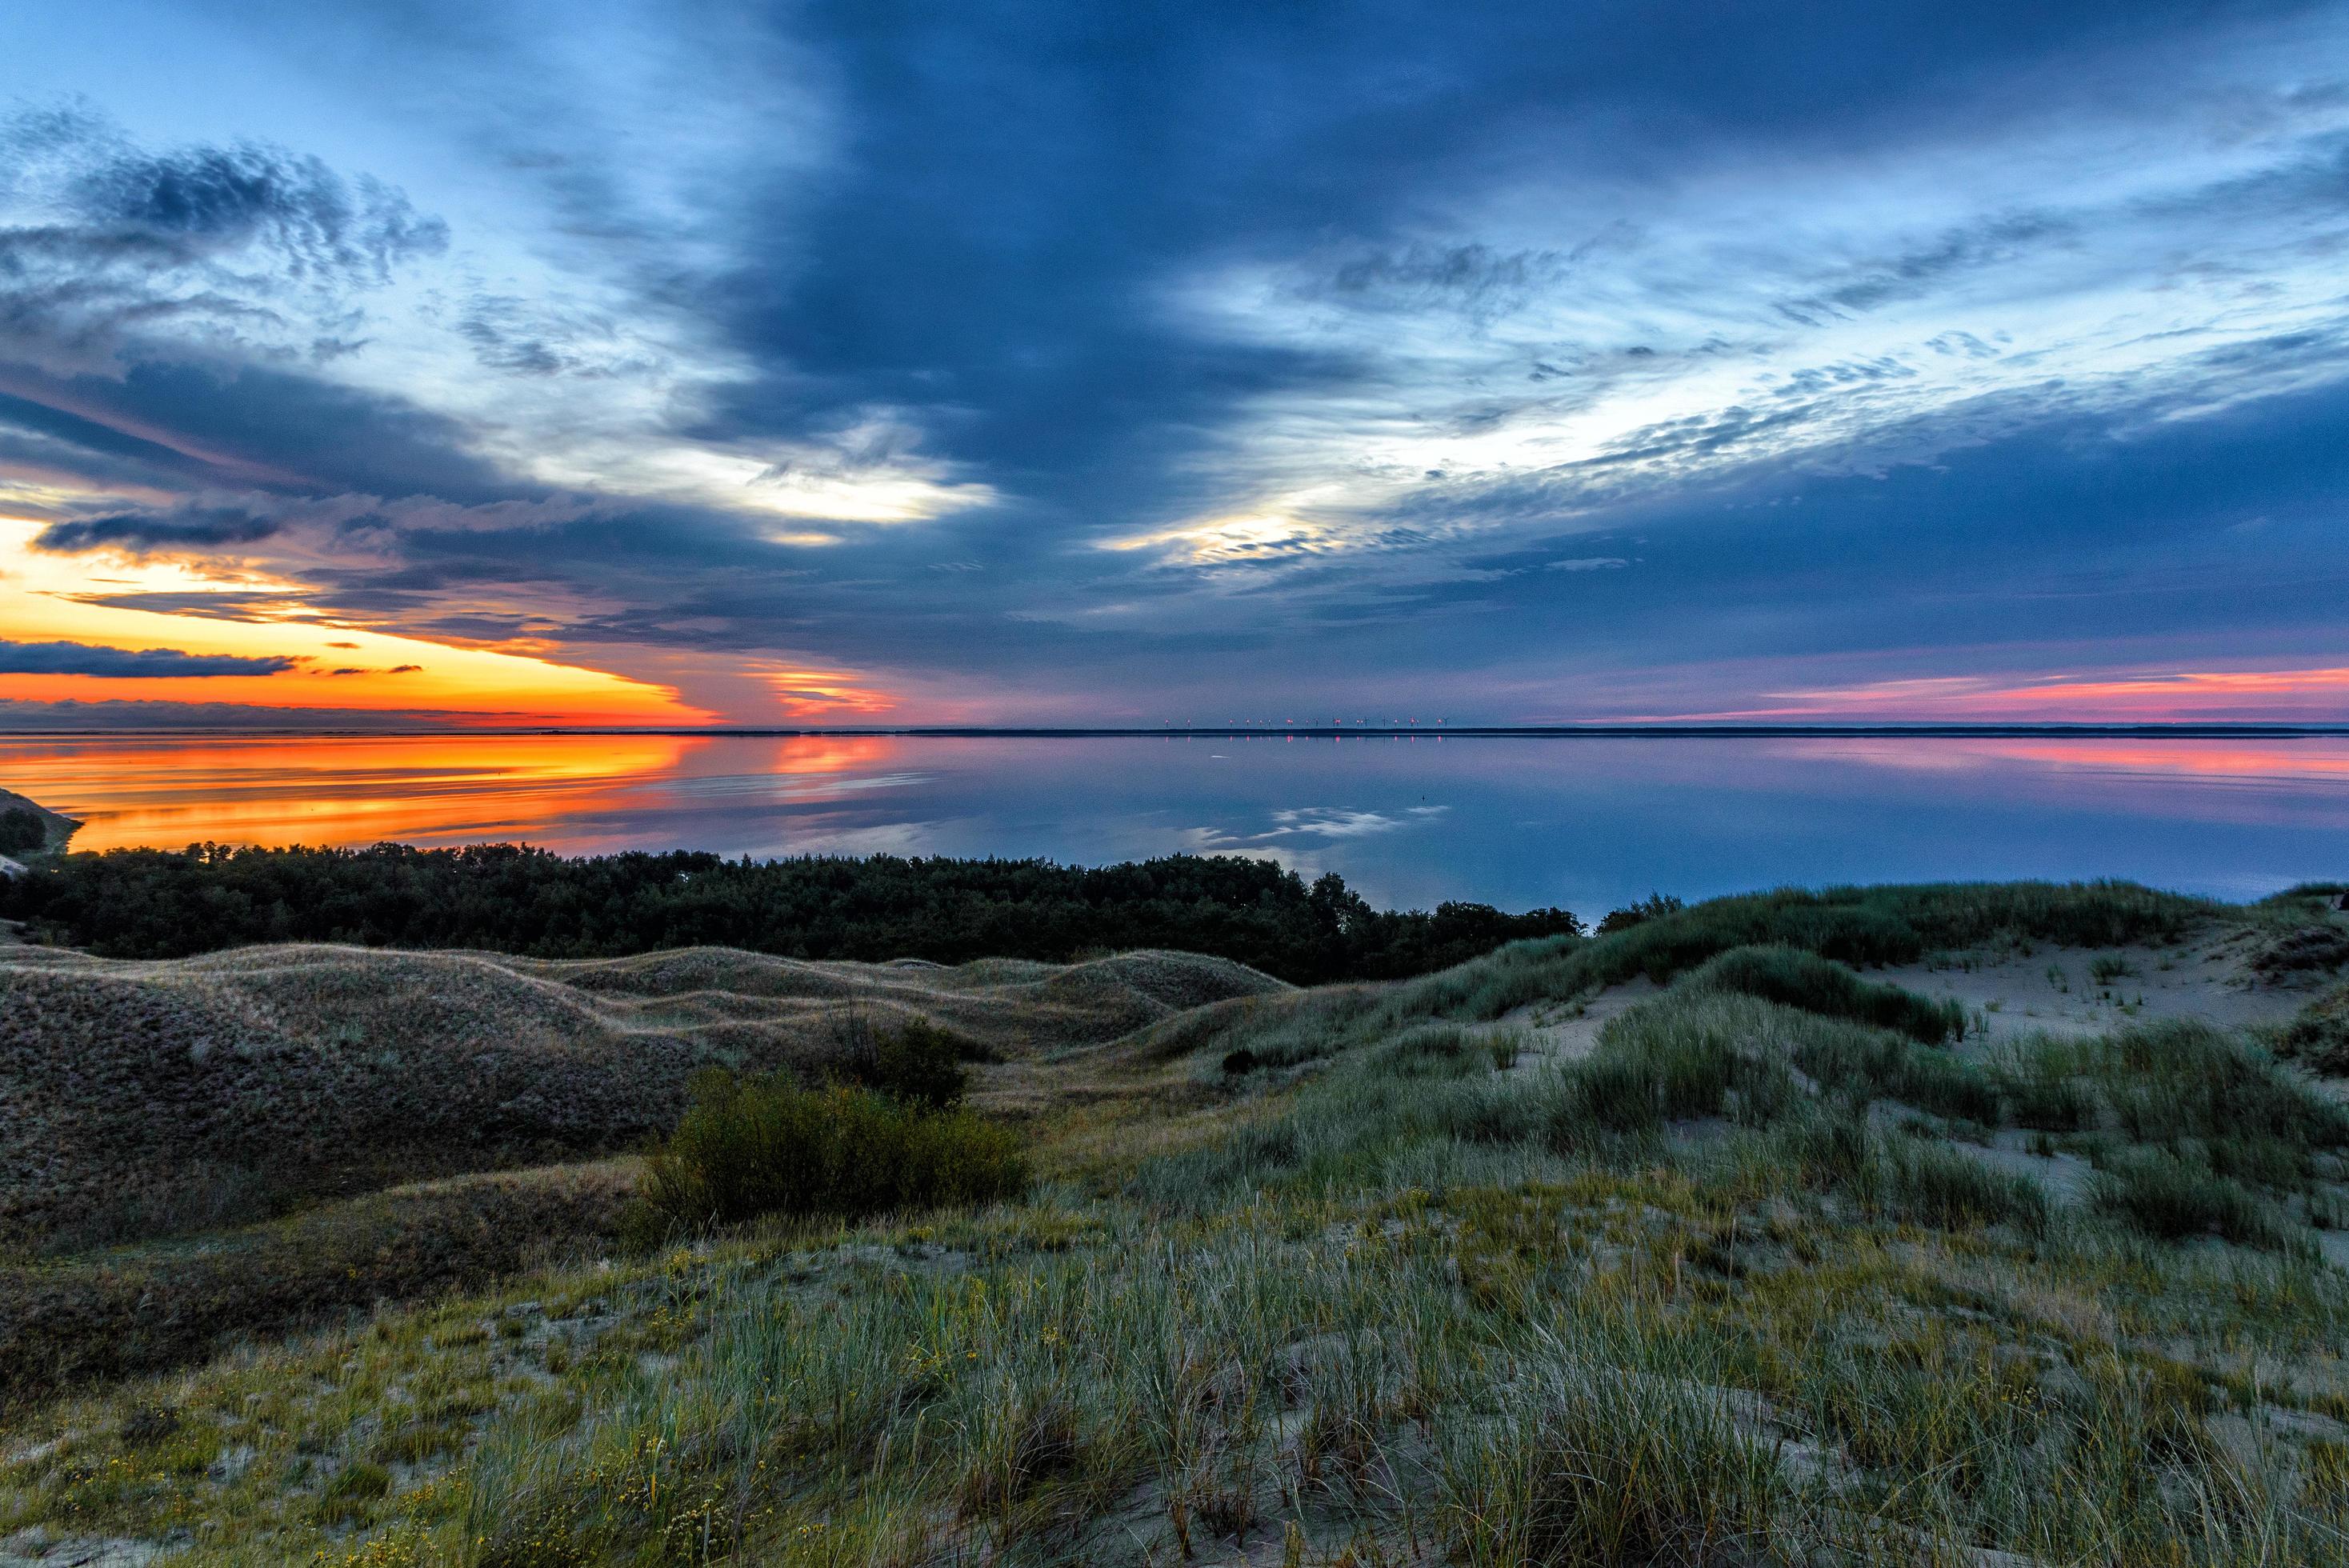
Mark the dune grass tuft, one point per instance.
(2173, 1197)
(1798, 979)
(2320, 1035)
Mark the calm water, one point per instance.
(1582, 822)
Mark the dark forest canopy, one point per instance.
(159, 904)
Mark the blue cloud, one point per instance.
(77, 659)
(1047, 355)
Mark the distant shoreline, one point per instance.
(1250, 732)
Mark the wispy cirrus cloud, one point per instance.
(105, 243)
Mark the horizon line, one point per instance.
(2149, 729)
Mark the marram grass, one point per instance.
(1752, 1283)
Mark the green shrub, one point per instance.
(1892, 925)
(1816, 985)
(1909, 1178)
(1655, 906)
(765, 1146)
(1860, 1064)
(1433, 1050)
(914, 1060)
(2106, 967)
(1612, 1094)
(2040, 1084)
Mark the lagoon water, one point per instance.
(1583, 823)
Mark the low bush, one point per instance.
(1892, 925)
(1860, 1064)
(1655, 906)
(1434, 1050)
(2106, 967)
(1670, 1061)
(2043, 1090)
(350, 1493)
(761, 1146)
(1816, 985)
(2309, 947)
(914, 1060)
(1902, 1177)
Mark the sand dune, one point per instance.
(148, 1097)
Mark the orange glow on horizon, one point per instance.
(2316, 694)
(811, 694)
(423, 789)
(339, 666)
(2185, 758)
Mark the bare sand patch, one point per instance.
(1552, 1031)
(2072, 991)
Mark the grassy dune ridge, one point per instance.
(1383, 1273)
(148, 1097)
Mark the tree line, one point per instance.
(161, 904)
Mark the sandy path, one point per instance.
(1554, 1031)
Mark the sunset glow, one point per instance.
(327, 664)
(2288, 696)
(1113, 368)
(419, 790)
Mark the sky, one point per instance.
(417, 362)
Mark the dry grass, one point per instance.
(1752, 1283)
(131, 1310)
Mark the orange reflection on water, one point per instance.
(425, 789)
(2311, 759)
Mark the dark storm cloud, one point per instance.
(76, 659)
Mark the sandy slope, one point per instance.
(152, 1096)
(2057, 991)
